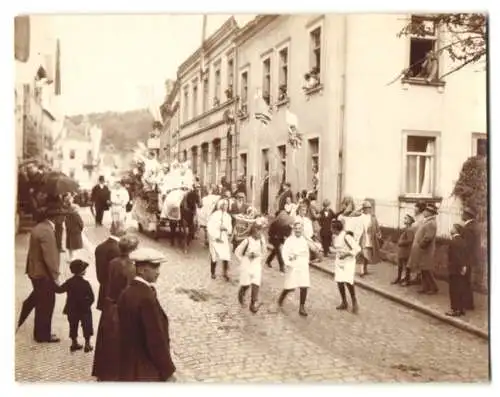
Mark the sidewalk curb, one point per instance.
(415, 306)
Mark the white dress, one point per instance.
(219, 250)
(295, 253)
(119, 199)
(345, 268)
(251, 269)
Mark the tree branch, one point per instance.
(462, 65)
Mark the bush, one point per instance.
(472, 186)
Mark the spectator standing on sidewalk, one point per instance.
(106, 366)
(423, 249)
(326, 217)
(472, 237)
(404, 247)
(144, 326)
(419, 217)
(42, 267)
(346, 249)
(457, 270)
(100, 198)
(74, 227)
(79, 300)
(370, 238)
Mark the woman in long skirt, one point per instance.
(251, 252)
(219, 228)
(296, 257)
(74, 227)
(345, 248)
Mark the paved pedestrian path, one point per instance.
(379, 280)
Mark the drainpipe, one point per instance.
(342, 129)
(236, 143)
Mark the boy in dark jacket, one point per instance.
(457, 270)
(404, 248)
(79, 300)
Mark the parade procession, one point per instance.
(263, 218)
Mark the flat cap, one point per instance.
(147, 256)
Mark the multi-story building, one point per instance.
(394, 143)
(169, 138)
(37, 86)
(207, 106)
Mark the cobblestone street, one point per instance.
(215, 340)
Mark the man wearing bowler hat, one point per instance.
(145, 340)
(472, 237)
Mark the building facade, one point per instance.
(169, 138)
(394, 143)
(207, 107)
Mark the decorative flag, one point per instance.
(294, 136)
(262, 113)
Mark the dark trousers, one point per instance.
(85, 319)
(428, 281)
(467, 291)
(45, 300)
(457, 290)
(99, 213)
(276, 251)
(326, 242)
(59, 233)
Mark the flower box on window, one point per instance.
(229, 92)
(312, 82)
(283, 95)
(242, 112)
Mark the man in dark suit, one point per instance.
(145, 340)
(100, 198)
(457, 269)
(279, 230)
(104, 254)
(472, 238)
(42, 267)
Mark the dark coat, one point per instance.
(457, 255)
(104, 254)
(100, 196)
(145, 340)
(282, 199)
(472, 238)
(74, 228)
(424, 245)
(405, 242)
(79, 296)
(43, 256)
(325, 220)
(106, 366)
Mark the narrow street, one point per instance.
(215, 340)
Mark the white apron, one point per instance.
(251, 269)
(207, 207)
(295, 253)
(219, 250)
(345, 268)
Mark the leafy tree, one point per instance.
(466, 41)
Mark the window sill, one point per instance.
(313, 90)
(423, 82)
(283, 102)
(414, 198)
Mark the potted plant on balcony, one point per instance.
(311, 79)
(229, 92)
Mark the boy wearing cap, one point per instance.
(79, 300)
(472, 237)
(457, 269)
(404, 247)
(144, 328)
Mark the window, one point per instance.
(479, 145)
(229, 152)
(282, 155)
(315, 61)
(195, 98)
(217, 93)
(216, 162)
(230, 73)
(243, 163)
(72, 154)
(72, 173)
(204, 163)
(420, 156)
(266, 80)
(283, 74)
(185, 114)
(244, 89)
(205, 95)
(423, 64)
(194, 160)
(314, 163)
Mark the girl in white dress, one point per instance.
(345, 248)
(219, 229)
(295, 253)
(250, 252)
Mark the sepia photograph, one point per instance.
(252, 198)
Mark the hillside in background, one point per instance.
(121, 130)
